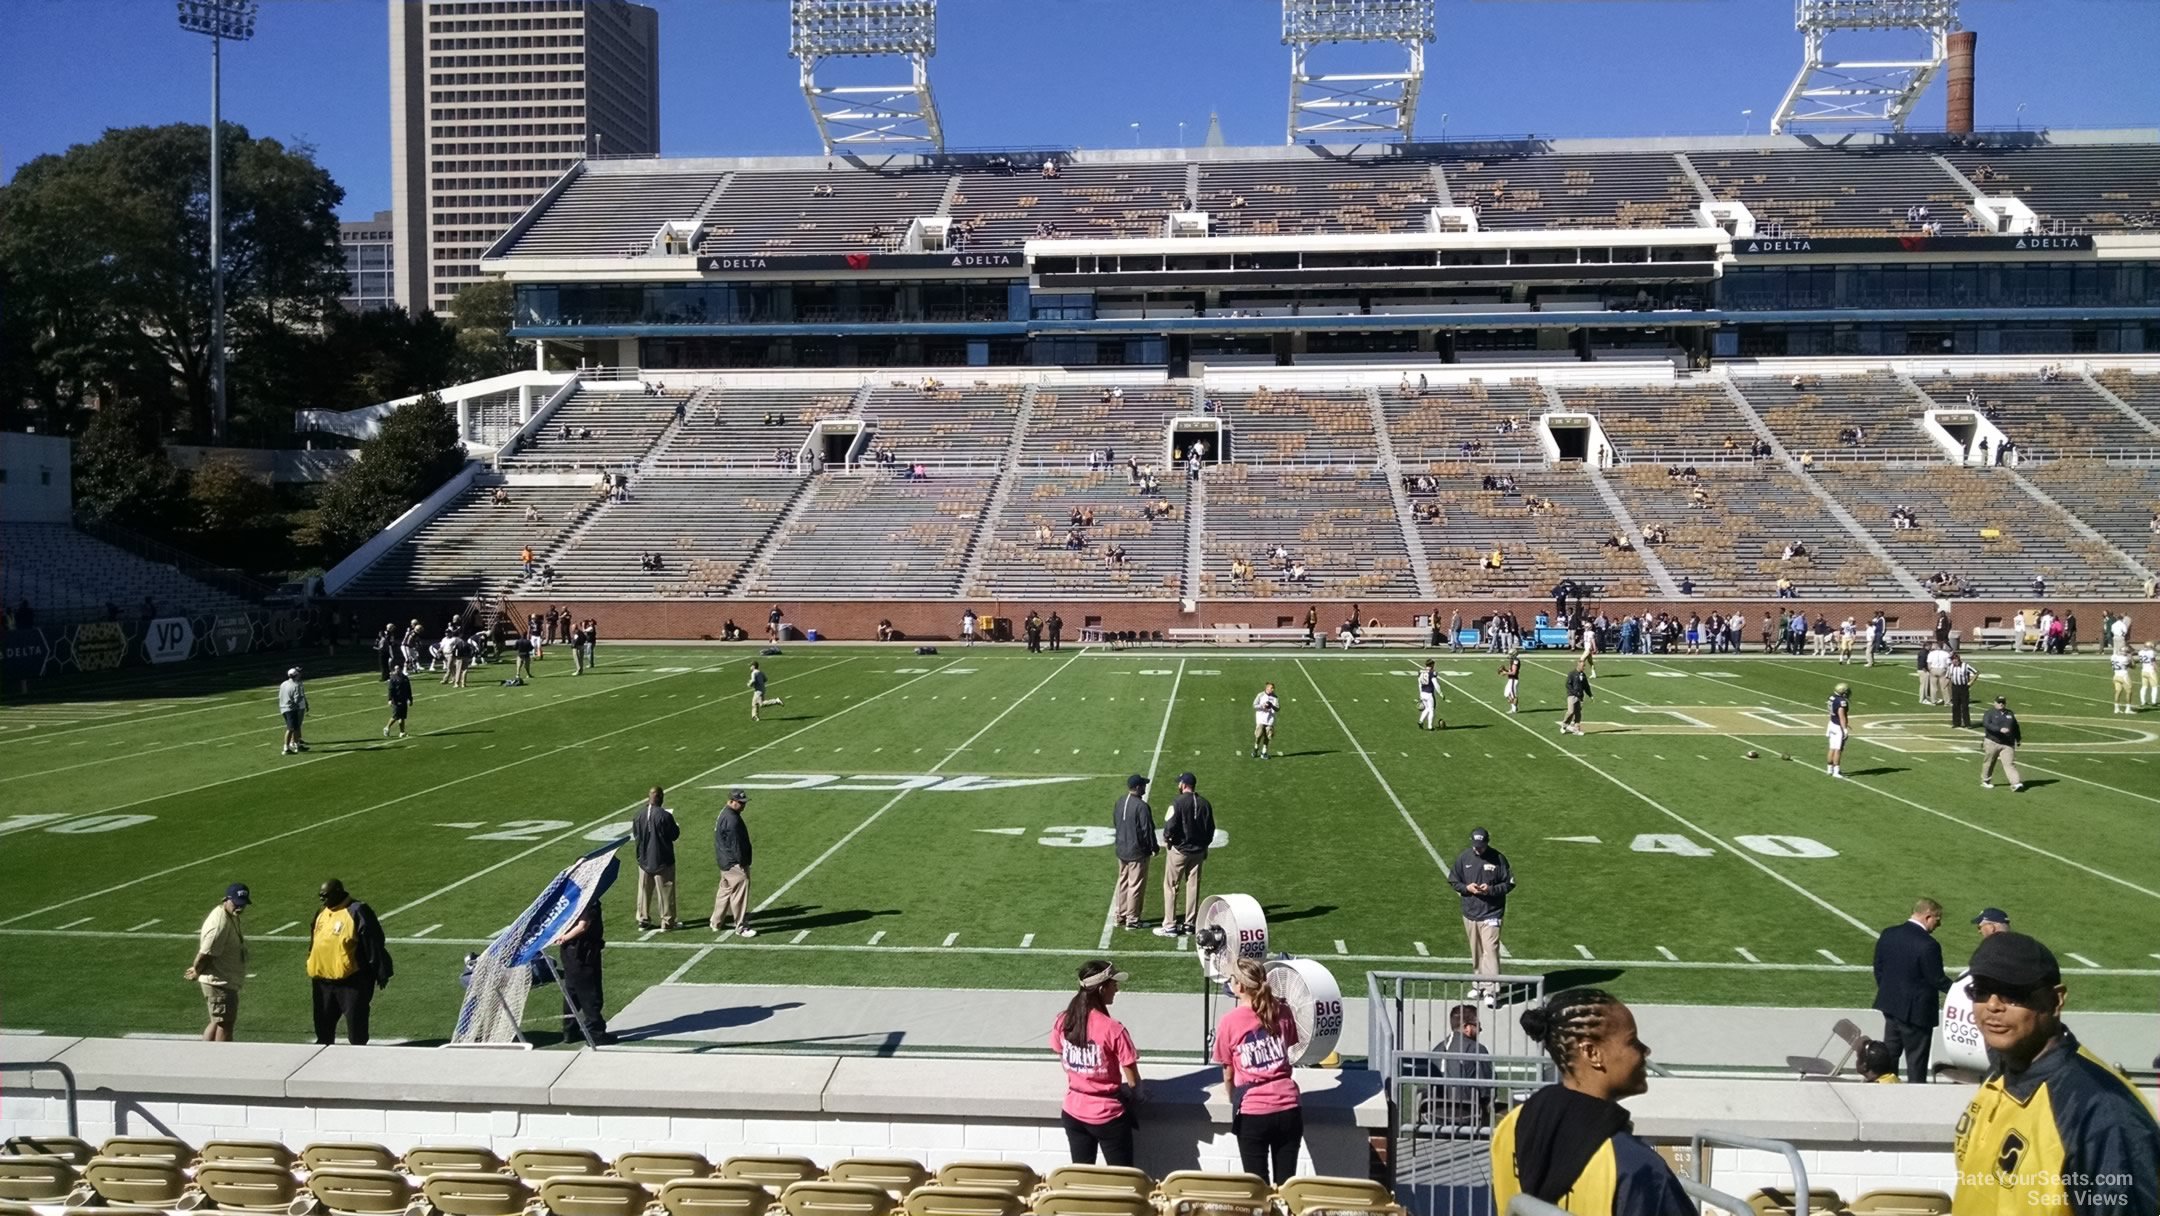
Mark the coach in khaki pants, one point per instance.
(1134, 821)
(1188, 831)
(731, 849)
(2000, 743)
(1482, 877)
(654, 832)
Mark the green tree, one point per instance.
(122, 474)
(416, 450)
(482, 313)
(228, 498)
(104, 250)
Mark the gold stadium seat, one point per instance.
(476, 1193)
(1305, 1194)
(361, 1191)
(541, 1164)
(773, 1173)
(897, 1175)
(427, 1160)
(1898, 1201)
(1773, 1201)
(347, 1155)
(75, 1149)
(151, 1148)
(247, 1186)
(941, 1200)
(587, 1195)
(136, 1182)
(248, 1152)
(1188, 1191)
(1091, 1203)
(656, 1169)
(27, 1179)
(1103, 1179)
(836, 1199)
(999, 1175)
(715, 1197)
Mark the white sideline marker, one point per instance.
(1342, 949)
(1668, 955)
(1584, 951)
(950, 938)
(800, 934)
(146, 924)
(1832, 957)
(1424, 953)
(1027, 941)
(1505, 952)
(71, 924)
(877, 937)
(428, 930)
(2082, 959)
(1742, 951)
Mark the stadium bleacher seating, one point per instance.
(1809, 418)
(1954, 510)
(1097, 202)
(613, 215)
(1259, 199)
(2140, 393)
(727, 428)
(2049, 419)
(1071, 421)
(2113, 188)
(947, 425)
(1339, 523)
(1512, 189)
(1021, 564)
(68, 577)
(863, 530)
(703, 528)
(1298, 426)
(472, 546)
(2120, 502)
(1834, 193)
(1734, 542)
(623, 426)
(1688, 423)
(1434, 424)
(1539, 544)
(788, 212)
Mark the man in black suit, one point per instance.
(1909, 984)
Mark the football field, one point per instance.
(943, 821)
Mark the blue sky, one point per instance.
(1062, 72)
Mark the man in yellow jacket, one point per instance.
(348, 959)
(2054, 1128)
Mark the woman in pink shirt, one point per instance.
(1252, 1043)
(1102, 1070)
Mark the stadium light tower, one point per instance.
(1382, 104)
(1832, 90)
(851, 115)
(222, 21)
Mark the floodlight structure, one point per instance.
(874, 114)
(221, 21)
(1329, 105)
(1836, 91)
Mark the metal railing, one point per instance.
(1779, 1147)
(67, 1085)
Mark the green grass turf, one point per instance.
(162, 788)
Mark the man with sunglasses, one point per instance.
(2054, 1128)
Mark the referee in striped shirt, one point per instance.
(1960, 677)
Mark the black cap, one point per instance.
(1479, 836)
(1992, 916)
(2002, 700)
(1136, 782)
(738, 794)
(238, 894)
(2014, 961)
(1188, 779)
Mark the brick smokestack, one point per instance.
(1962, 44)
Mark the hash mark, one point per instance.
(1832, 957)
(876, 937)
(1340, 948)
(291, 924)
(1742, 951)
(1420, 948)
(84, 921)
(1584, 951)
(950, 938)
(1027, 941)
(426, 931)
(799, 935)
(2081, 958)
(146, 924)
(1670, 957)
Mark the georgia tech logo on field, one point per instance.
(885, 783)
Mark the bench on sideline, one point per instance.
(1240, 635)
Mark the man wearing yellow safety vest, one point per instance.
(347, 960)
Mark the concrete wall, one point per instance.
(39, 488)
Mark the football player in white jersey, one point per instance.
(1511, 670)
(2149, 664)
(1428, 693)
(1848, 633)
(1263, 719)
(2120, 702)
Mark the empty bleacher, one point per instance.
(2047, 420)
(728, 428)
(1434, 423)
(2140, 393)
(624, 425)
(1735, 545)
(704, 528)
(876, 534)
(1258, 198)
(1021, 564)
(783, 213)
(1092, 202)
(1833, 193)
(1688, 422)
(1619, 189)
(1340, 523)
(1955, 508)
(2119, 502)
(1808, 418)
(1538, 546)
(948, 425)
(472, 546)
(68, 576)
(613, 215)
(1072, 420)
(1298, 426)
(2111, 188)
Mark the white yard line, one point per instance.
(688, 963)
(428, 930)
(879, 813)
(1366, 756)
(339, 684)
(1109, 920)
(1675, 816)
(146, 924)
(318, 824)
(291, 924)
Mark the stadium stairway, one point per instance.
(1658, 573)
(2101, 387)
(1413, 540)
(1008, 474)
(2100, 543)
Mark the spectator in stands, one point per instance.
(1102, 1070)
(1572, 1144)
(1297, 571)
(1253, 1043)
(1687, 585)
(220, 966)
(1909, 983)
(1050, 170)
(525, 558)
(499, 497)
(2100, 1150)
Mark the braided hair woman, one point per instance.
(1252, 1043)
(1102, 1073)
(1572, 1143)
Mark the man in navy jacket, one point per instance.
(1909, 985)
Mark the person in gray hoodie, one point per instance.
(1136, 846)
(655, 832)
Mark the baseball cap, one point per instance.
(292, 671)
(1188, 779)
(1136, 782)
(2014, 962)
(1479, 835)
(1096, 972)
(2002, 700)
(738, 794)
(238, 893)
(1992, 916)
